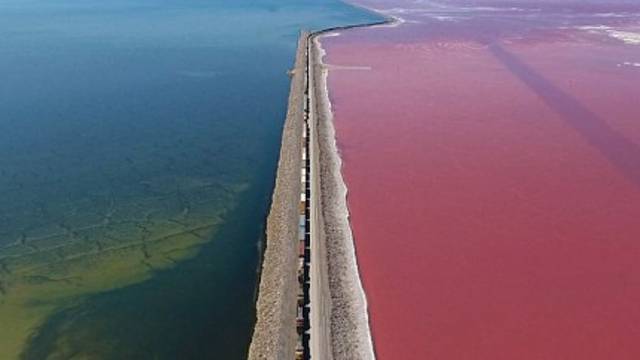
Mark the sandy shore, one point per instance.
(349, 323)
(275, 332)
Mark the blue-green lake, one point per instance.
(138, 148)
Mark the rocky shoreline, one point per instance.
(275, 333)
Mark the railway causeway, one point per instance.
(311, 304)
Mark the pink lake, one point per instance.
(492, 155)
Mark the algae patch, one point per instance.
(93, 245)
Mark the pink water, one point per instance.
(492, 155)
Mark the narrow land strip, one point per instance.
(339, 325)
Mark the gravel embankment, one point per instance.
(275, 333)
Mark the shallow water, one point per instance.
(138, 145)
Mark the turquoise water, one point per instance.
(138, 147)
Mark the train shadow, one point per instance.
(619, 150)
